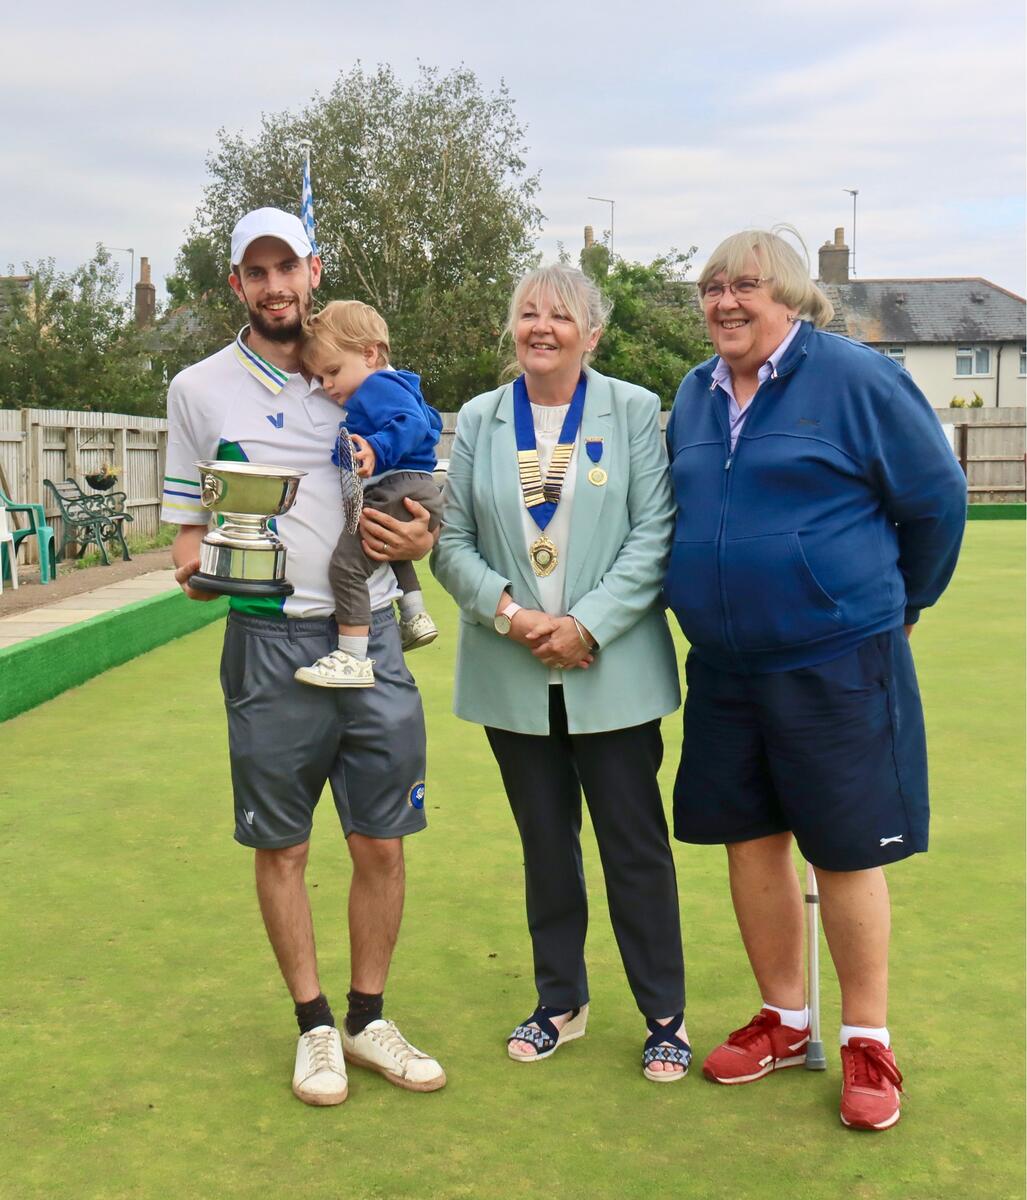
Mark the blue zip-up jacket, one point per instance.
(400, 425)
(839, 514)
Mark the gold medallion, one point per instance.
(544, 556)
(597, 476)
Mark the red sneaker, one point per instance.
(870, 1086)
(762, 1046)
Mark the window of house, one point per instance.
(973, 360)
(1023, 360)
(897, 354)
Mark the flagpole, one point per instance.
(307, 199)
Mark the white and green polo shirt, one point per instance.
(237, 406)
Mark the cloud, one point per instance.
(784, 144)
(697, 120)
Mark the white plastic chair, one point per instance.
(12, 554)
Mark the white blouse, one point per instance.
(548, 423)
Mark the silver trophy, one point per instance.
(242, 556)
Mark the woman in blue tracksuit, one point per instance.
(819, 509)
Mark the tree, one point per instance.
(69, 342)
(424, 209)
(655, 333)
(595, 260)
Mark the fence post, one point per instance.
(35, 457)
(24, 460)
(119, 459)
(962, 447)
(72, 465)
(34, 463)
(162, 466)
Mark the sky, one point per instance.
(696, 120)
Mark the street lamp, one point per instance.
(132, 269)
(853, 192)
(603, 200)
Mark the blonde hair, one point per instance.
(779, 263)
(344, 325)
(568, 289)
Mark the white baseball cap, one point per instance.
(269, 222)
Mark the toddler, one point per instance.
(346, 344)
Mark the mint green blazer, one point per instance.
(619, 543)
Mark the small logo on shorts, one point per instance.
(416, 796)
(888, 841)
(248, 816)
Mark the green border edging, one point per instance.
(42, 667)
(996, 512)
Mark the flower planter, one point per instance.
(101, 483)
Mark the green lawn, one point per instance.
(147, 1041)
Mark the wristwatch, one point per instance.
(501, 621)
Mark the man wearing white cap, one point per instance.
(251, 402)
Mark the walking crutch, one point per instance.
(815, 1060)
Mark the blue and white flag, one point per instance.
(307, 205)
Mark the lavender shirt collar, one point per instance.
(722, 378)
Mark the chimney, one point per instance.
(834, 259)
(590, 237)
(146, 295)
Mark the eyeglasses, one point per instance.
(743, 289)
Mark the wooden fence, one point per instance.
(994, 459)
(43, 443)
(49, 443)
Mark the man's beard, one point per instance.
(280, 331)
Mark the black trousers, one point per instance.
(544, 778)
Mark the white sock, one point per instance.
(864, 1031)
(794, 1018)
(410, 604)
(357, 646)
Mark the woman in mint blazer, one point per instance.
(556, 532)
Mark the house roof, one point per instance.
(925, 310)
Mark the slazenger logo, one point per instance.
(248, 816)
(888, 841)
(278, 420)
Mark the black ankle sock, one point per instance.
(312, 1013)
(364, 1007)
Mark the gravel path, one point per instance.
(72, 581)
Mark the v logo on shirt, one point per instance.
(278, 420)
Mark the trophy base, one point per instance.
(240, 587)
(255, 567)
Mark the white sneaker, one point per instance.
(320, 1074)
(337, 670)
(418, 631)
(381, 1047)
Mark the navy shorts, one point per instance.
(835, 753)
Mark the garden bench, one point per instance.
(112, 505)
(89, 520)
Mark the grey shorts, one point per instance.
(287, 739)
